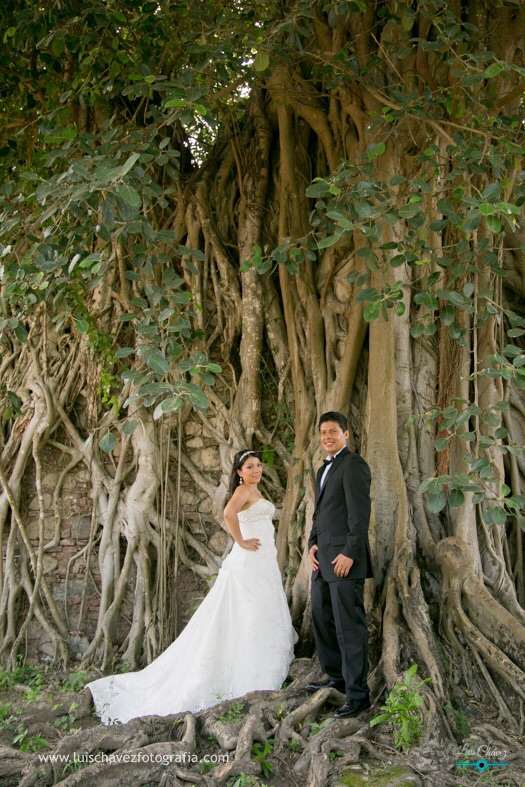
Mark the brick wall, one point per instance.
(68, 558)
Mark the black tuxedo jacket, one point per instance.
(341, 517)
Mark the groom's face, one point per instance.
(332, 437)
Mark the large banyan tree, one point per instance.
(242, 215)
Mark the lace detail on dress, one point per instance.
(240, 639)
(250, 514)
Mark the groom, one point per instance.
(340, 562)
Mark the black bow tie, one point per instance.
(328, 461)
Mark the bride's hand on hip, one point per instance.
(252, 544)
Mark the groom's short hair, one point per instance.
(339, 418)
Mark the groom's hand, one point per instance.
(342, 565)
(314, 563)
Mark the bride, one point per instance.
(240, 639)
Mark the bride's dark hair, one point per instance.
(238, 460)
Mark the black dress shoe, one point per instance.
(352, 708)
(331, 683)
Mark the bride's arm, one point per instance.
(238, 500)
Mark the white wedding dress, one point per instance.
(240, 639)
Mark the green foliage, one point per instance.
(26, 742)
(260, 754)
(109, 113)
(446, 218)
(403, 709)
(245, 780)
(66, 721)
(317, 728)
(79, 200)
(29, 675)
(72, 767)
(459, 722)
(33, 694)
(6, 714)
(234, 715)
(75, 681)
(205, 766)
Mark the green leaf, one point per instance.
(175, 102)
(487, 208)
(382, 717)
(363, 209)
(417, 329)
(196, 395)
(21, 333)
(499, 515)
(125, 168)
(494, 224)
(372, 311)
(324, 243)
(129, 195)
(492, 190)
(458, 299)
(171, 405)
(400, 309)
(368, 295)
(410, 673)
(318, 189)
(375, 150)
(255, 260)
(128, 427)
(456, 498)
(82, 326)
(471, 222)
(491, 419)
(108, 442)
(493, 70)
(441, 444)
(468, 437)
(123, 352)
(436, 503)
(447, 315)
(157, 362)
(431, 485)
(261, 61)
(427, 299)
(206, 377)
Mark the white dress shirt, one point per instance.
(327, 468)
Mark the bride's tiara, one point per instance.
(246, 453)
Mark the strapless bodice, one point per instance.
(261, 508)
(256, 522)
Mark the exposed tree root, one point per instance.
(168, 750)
(296, 730)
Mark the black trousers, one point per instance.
(341, 634)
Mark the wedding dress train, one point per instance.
(240, 639)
